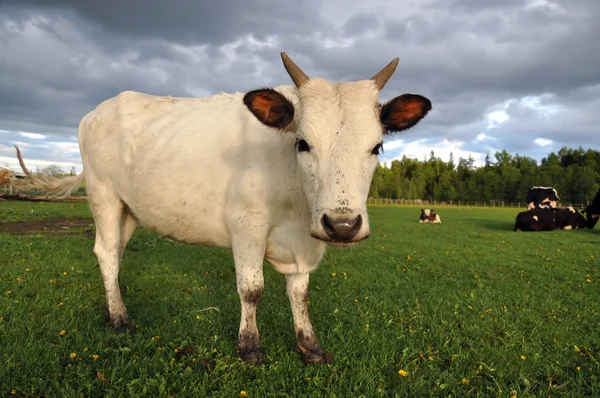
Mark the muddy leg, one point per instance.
(307, 345)
(108, 210)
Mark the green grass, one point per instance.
(468, 299)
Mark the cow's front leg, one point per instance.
(307, 344)
(248, 255)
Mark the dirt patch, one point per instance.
(30, 198)
(62, 225)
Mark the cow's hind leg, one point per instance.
(307, 345)
(109, 211)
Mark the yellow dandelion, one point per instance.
(8, 292)
(243, 393)
(72, 355)
(469, 307)
(464, 380)
(95, 356)
(64, 273)
(578, 368)
(333, 274)
(174, 321)
(19, 279)
(53, 281)
(588, 280)
(430, 358)
(523, 358)
(452, 358)
(367, 326)
(26, 269)
(198, 317)
(403, 373)
(408, 257)
(13, 392)
(62, 332)
(85, 349)
(576, 348)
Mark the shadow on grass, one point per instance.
(497, 225)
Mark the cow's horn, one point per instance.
(298, 77)
(382, 77)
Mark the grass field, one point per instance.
(465, 308)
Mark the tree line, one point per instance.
(574, 173)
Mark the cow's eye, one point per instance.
(302, 146)
(377, 149)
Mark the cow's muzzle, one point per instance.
(341, 229)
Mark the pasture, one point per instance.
(462, 308)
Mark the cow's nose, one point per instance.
(341, 229)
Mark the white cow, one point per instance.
(274, 174)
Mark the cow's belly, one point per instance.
(183, 213)
(291, 249)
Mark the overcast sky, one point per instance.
(520, 75)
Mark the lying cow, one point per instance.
(536, 219)
(592, 212)
(542, 197)
(275, 174)
(429, 216)
(569, 218)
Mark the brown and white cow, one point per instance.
(7, 177)
(429, 216)
(275, 174)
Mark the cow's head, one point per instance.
(339, 131)
(591, 214)
(425, 213)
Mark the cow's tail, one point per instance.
(58, 186)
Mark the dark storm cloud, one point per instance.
(184, 21)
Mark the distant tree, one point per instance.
(52, 170)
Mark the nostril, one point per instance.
(356, 224)
(328, 226)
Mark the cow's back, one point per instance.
(177, 162)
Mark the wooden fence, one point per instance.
(435, 203)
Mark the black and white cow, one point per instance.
(569, 218)
(536, 219)
(592, 212)
(542, 197)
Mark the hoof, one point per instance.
(314, 355)
(252, 355)
(120, 324)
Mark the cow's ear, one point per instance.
(404, 111)
(270, 107)
(431, 210)
(422, 211)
